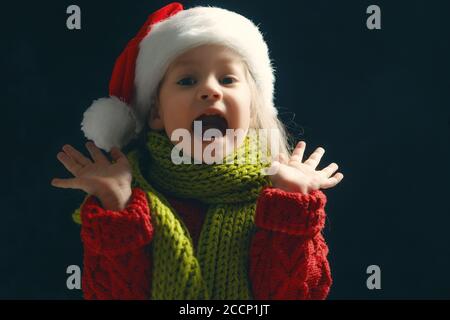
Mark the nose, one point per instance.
(210, 91)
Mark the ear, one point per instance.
(155, 121)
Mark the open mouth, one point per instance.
(215, 121)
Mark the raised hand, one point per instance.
(108, 181)
(293, 175)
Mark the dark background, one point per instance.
(375, 100)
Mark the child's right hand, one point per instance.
(109, 182)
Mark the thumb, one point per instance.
(273, 169)
(71, 183)
(118, 155)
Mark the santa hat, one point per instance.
(166, 34)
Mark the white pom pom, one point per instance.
(109, 122)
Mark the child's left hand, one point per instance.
(293, 175)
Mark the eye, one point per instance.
(228, 80)
(188, 81)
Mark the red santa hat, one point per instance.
(166, 34)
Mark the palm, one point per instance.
(101, 176)
(296, 176)
(97, 175)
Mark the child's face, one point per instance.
(207, 83)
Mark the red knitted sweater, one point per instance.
(288, 254)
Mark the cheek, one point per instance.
(176, 117)
(173, 110)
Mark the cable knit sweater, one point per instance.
(287, 256)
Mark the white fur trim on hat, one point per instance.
(109, 122)
(194, 27)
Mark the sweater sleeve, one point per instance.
(288, 257)
(116, 252)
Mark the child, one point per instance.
(153, 229)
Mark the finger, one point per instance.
(297, 154)
(334, 180)
(330, 169)
(65, 183)
(68, 163)
(76, 155)
(117, 155)
(96, 154)
(314, 158)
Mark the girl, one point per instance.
(153, 229)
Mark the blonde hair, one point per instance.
(261, 118)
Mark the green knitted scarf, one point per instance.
(218, 267)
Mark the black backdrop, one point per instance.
(375, 100)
